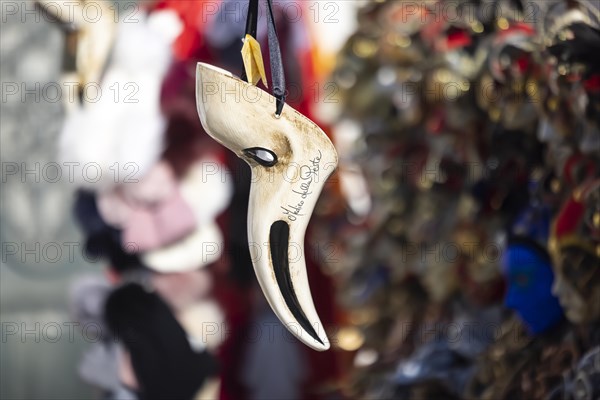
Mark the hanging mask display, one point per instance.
(530, 277)
(463, 152)
(290, 158)
(572, 37)
(508, 87)
(578, 75)
(576, 249)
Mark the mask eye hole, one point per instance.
(264, 157)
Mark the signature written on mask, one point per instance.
(308, 174)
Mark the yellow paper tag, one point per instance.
(253, 61)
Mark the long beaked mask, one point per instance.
(290, 158)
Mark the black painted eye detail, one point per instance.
(264, 157)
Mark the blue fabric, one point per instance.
(530, 277)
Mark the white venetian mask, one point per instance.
(291, 158)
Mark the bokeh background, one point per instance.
(453, 254)
(42, 252)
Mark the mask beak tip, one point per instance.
(322, 345)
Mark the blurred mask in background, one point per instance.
(529, 274)
(575, 245)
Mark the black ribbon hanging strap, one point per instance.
(277, 72)
(252, 18)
